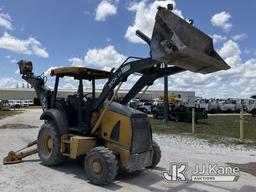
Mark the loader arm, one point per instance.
(121, 75)
(148, 79)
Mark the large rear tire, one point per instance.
(48, 145)
(100, 165)
(156, 155)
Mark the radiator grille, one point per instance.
(141, 137)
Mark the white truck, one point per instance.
(227, 106)
(30, 103)
(14, 103)
(24, 103)
(252, 107)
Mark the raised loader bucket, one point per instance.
(176, 42)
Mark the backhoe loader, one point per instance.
(109, 135)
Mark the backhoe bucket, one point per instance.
(26, 67)
(176, 42)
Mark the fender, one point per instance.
(58, 117)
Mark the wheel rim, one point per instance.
(96, 166)
(47, 144)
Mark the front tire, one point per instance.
(100, 165)
(48, 145)
(156, 155)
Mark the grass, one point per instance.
(8, 113)
(214, 129)
(35, 107)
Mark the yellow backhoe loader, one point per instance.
(109, 135)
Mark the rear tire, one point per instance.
(48, 145)
(100, 165)
(156, 155)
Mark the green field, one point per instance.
(4, 114)
(214, 128)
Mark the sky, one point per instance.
(101, 34)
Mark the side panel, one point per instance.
(119, 143)
(81, 145)
(113, 120)
(74, 145)
(133, 154)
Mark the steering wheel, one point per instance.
(86, 96)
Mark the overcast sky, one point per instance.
(101, 34)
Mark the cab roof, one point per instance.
(77, 72)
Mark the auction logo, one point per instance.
(201, 173)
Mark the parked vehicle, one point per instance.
(4, 105)
(30, 103)
(252, 107)
(180, 113)
(213, 106)
(146, 107)
(227, 106)
(14, 103)
(24, 103)
(202, 104)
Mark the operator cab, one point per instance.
(77, 106)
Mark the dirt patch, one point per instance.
(17, 126)
(247, 168)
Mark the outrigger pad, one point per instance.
(176, 42)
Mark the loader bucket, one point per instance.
(176, 42)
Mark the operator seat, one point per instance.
(73, 104)
(61, 104)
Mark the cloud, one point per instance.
(218, 38)
(104, 9)
(5, 20)
(145, 18)
(250, 69)
(49, 70)
(104, 57)
(9, 82)
(76, 62)
(239, 37)
(222, 20)
(29, 46)
(230, 49)
(17, 72)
